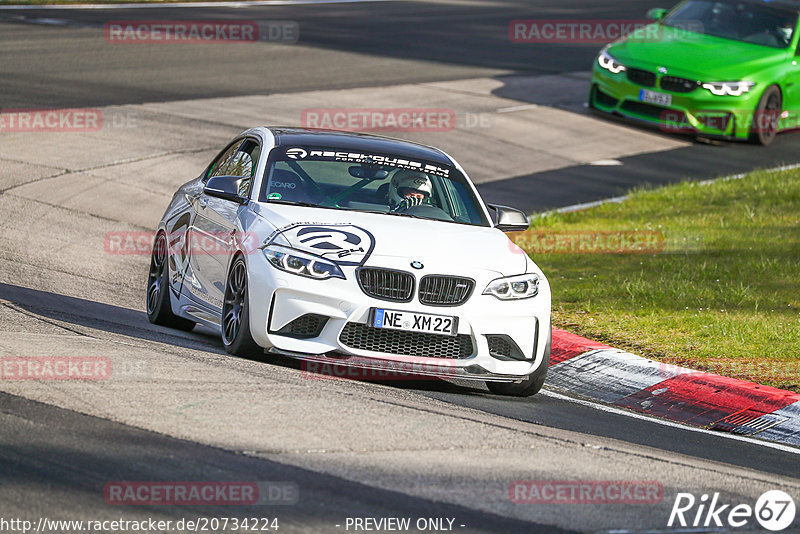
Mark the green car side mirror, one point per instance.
(657, 13)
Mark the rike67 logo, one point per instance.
(774, 511)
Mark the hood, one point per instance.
(689, 54)
(354, 238)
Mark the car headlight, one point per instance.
(301, 263)
(605, 60)
(523, 286)
(729, 88)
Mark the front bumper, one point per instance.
(695, 112)
(278, 299)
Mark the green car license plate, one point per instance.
(654, 97)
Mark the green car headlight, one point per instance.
(729, 88)
(301, 263)
(523, 286)
(607, 61)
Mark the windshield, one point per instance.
(741, 21)
(328, 177)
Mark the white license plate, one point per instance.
(653, 97)
(414, 322)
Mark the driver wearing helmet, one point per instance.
(409, 189)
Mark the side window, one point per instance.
(246, 163)
(222, 163)
(240, 159)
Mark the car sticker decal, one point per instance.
(334, 154)
(343, 243)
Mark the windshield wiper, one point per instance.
(303, 204)
(396, 214)
(311, 205)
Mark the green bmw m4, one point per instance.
(714, 68)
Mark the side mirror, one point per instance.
(510, 219)
(225, 187)
(657, 13)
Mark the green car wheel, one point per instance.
(766, 117)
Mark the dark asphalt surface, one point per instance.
(541, 410)
(587, 183)
(60, 461)
(340, 45)
(344, 46)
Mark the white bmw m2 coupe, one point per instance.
(355, 250)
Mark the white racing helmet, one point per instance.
(406, 183)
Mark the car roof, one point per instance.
(792, 5)
(285, 136)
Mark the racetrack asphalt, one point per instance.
(57, 58)
(359, 449)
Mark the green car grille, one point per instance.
(678, 85)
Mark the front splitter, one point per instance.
(390, 367)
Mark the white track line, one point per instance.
(523, 107)
(611, 409)
(664, 422)
(587, 205)
(187, 4)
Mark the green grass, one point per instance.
(722, 296)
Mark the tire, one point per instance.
(236, 313)
(532, 384)
(590, 102)
(766, 116)
(159, 308)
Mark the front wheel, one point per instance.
(236, 313)
(159, 307)
(767, 116)
(532, 383)
(590, 102)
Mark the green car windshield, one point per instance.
(334, 178)
(760, 24)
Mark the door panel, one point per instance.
(211, 246)
(791, 96)
(177, 228)
(211, 237)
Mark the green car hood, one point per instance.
(695, 55)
